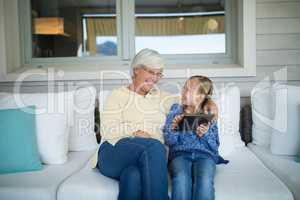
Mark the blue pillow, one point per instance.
(298, 158)
(18, 143)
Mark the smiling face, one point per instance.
(145, 78)
(192, 94)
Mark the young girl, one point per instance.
(193, 154)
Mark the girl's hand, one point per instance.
(177, 119)
(202, 129)
(141, 134)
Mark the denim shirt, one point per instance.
(188, 141)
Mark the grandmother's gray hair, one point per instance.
(147, 58)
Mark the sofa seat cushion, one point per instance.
(244, 178)
(41, 185)
(285, 167)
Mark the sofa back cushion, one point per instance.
(262, 113)
(82, 135)
(51, 121)
(18, 145)
(227, 97)
(285, 139)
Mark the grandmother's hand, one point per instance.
(141, 134)
(212, 108)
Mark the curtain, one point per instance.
(179, 26)
(99, 27)
(155, 26)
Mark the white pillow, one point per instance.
(285, 139)
(262, 106)
(51, 121)
(82, 135)
(227, 98)
(52, 138)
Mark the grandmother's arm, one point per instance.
(113, 126)
(211, 107)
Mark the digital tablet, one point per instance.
(190, 122)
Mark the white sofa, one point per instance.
(276, 138)
(244, 178)
(41, 185)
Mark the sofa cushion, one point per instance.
(95, 186)
(285, 139)
(51, 121)
(284, 167)
(82, 136)
(18, 145)
(41, 185)
(244, 178)
(262, 113)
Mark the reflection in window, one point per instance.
(67, 28)
(100, 35)
(180, 27)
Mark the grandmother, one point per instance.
(132, 149)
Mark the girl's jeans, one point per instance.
(192, 177)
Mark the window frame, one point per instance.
(244, 63)
(228, 57)
(26, 43)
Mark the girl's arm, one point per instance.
(212, 137)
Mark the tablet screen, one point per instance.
(190, 122)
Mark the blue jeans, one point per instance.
(192, 177)
(139, 164)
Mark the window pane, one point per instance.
(180, 27)
(68, 28)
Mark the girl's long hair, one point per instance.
(205, 87)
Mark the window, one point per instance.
(215, 37)
(180, 27)
(68, 28)
(73, 28)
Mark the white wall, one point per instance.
(278, 46)
(278, 36)
(278, 42)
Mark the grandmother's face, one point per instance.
(146, 77)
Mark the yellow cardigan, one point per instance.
(126, 111)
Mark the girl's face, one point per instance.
(190, 93)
